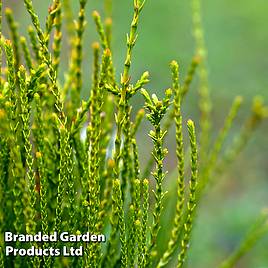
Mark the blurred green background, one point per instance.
(237, 40)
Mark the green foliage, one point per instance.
(53, 179)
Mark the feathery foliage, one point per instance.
(53, 179)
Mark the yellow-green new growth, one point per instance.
(123, 106)
(53, 12)
(173, 241)
(143, 254)
(41, 169)
(156, 111)
(14, 35)
(105, 43)
(16, 168)
(134, 232)
(34, 44)
(26, 52)
(137, 121)
(100, 29)
(96, 182)
(47, 58)
(191, 204)
(131, 40)
(119, 212)
(69, 20)
(30, 174)
(96, 108)
(57, 40)
(170, 119)
(75, 74)
(62, 176)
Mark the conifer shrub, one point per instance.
(54, 180)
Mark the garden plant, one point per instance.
(73, 165)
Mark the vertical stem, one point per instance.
(180, 166)
(191, 204)
(14, 35)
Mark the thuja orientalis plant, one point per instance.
(54, 180)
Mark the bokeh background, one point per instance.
(237, 41)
